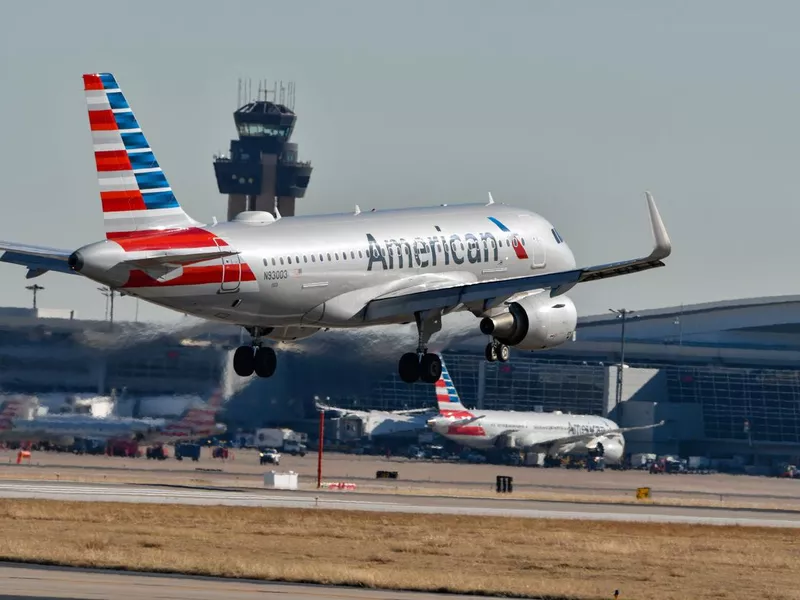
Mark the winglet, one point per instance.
(358, 210)
(491, 200)
(663, 246)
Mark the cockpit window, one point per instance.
(557, 236)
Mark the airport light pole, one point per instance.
(34, 288)
(320, 447)
(622, 313)
(109, 293)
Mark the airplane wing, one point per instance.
(38, 259)
(492, 293)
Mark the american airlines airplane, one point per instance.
(554, 434)
(195, 423)
(286, 279)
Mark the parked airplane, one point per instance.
(376, 423)
(16, 425)
(285, 279)
(554, 434)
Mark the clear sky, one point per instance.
(572, 109)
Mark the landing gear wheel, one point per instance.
(491, 352)
(503, 352)
(430, 368)
(408, 368)
(265, 362)
(244, 361)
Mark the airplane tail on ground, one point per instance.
(197, 421)
(11, 409)
(136, 196)
(447, 396)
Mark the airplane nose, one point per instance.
(75, 261)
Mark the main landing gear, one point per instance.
(255, 358)
(422, 365)
(495, 351)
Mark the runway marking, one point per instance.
(117, 493)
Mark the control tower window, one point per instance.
(260, 130)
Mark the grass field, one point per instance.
(524, 557)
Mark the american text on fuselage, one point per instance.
(446, 257)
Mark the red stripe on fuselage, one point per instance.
(92, 82)
(102, 120)
(112, 160)
(459, 414)
(470, 430)
(210, 274)
(192, 237)
(119, 201)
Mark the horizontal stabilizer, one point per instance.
(38, 259)
(176, 259)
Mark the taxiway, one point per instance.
(402, 504)
(31, 582)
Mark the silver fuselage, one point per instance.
(321, 271)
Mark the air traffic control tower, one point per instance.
(263, 169)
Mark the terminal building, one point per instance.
(723, 376)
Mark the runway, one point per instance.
(398, 503)
(46, 583)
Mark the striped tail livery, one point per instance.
(135, 194)
(447, 397)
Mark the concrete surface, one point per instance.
(396, 503)
(44, 583)
(245, 471)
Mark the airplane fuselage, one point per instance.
(530, 429)
(320, 271)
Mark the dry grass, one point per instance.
(533, 558)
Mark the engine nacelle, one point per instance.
(536, 322)
(290, 334)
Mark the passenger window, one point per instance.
(352, 255)
(289, 258)
(305, 258)
(359, 254)
(273, 262)
(329, 256)
(281, 260)
(337, 256)
(266, 262)
(320, 258)
(313, 258)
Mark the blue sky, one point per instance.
(572, 109)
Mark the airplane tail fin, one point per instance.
(11, 409)
(135, 194)
(197, 421)
(447, 396)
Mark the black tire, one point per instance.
(430, 368)
(503, 353)
(243, 361)
(490, 353)
(408, 367)
(265, 362)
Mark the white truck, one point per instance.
(285, 440)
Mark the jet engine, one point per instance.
(290, 334)
(610, 448)
(536, 322)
